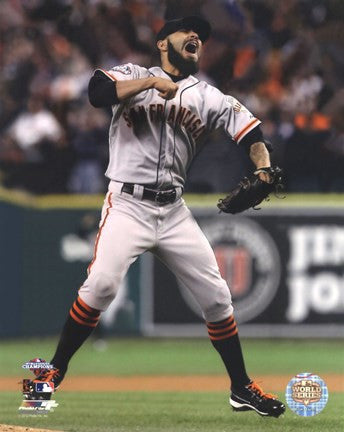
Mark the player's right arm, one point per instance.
(105, 89)
(126, 89)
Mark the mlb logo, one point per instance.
(45, 387)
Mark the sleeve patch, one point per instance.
(124, 69)
(237, 107)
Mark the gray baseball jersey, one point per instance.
(153, 141)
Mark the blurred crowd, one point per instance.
(283, 59)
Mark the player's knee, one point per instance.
(218, 310)
(104, 286)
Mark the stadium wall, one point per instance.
(284, 264)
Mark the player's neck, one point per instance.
(170, 69)
(175, 78)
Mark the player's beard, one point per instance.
(186, 67)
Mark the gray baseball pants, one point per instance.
(130, 226)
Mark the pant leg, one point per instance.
(126, 230)
(183, 247)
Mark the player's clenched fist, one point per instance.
(167, 89)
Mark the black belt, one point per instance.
(162, 197)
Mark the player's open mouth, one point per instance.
(191, 47)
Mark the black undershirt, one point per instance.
(175, 78)
(102, 91)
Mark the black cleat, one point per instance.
(252, 397)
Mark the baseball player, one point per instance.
(160, 118)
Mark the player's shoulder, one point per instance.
(156, 71)
(211, 93)
(210, 88)
(125, 71)
(130, 69)
(215, 94)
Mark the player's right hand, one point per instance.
(167, 89)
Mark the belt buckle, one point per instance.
(165, 197)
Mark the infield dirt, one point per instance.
(9, 428)
(275, 383)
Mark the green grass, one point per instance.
(194, 356)
(172, 411)
(193, 200)
(167, 412)
(290, 200)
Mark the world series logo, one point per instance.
(306, 394)
(306, 391)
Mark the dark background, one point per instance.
(284, 60)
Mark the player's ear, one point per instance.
(162, 45)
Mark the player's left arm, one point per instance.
(260, 157)
(259, 152)
(243, 127)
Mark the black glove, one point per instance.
(251, 191)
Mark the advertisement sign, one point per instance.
(285, 270)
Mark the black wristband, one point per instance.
(255, 135)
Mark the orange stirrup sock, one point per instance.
(222, 329)
(84, 314)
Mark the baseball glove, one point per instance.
(251, 191)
